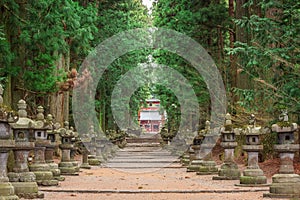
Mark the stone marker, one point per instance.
(75, 141)
(7, 191)
(85, 140)
(253, 175)
(66, 166)
(92, 160)
(286, 183)
(229, 169)
(23, 181)
(185, 159)
(208, 165)
(50, 149)
(195, 164)
(39, 167)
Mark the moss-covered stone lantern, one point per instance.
(50, 149)
(7, 191)
(197, 141)
(286, 183)
(229, 169)
(66, 166)
(23, 181)
(208, 165)
(39, 167)
(253, 175)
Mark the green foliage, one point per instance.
(268, 141)
(114, 17)
(45, 29)
(272, 55)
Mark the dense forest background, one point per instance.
(255, 45)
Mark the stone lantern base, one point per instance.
(185, 159)
(68, 168)
(207, 167)
(25, 185)
(253, 177)
(228, 171)
(27, 190)
(55, 171)
(43, 174)
(7, 191)
(92, 160)
(194, 165)
(284, 186)
(85, 164)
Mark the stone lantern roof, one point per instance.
(41, 123)
(228, 127)
(252, 129)
(23, 121)
(66, 132)
(284, 125)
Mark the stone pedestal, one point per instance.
(101, 151)
(7, 191)
(85, 164)
(107, 150)
(286, 184)
(41, 169)
(229, 169)
(195, 164)
(24, 181)
(253, 175)
(208, 166)
(185, 160)
(49, 152)
(92, 160)
(66, 166)
(72, 158)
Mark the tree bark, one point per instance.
(59, 101)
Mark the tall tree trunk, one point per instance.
(233, 67)
(59, 101)
(243, 80)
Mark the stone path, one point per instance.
(142, 155)
(143, 170)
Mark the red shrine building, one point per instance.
(150, 118)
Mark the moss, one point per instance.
(10, 161)
(228, 127)
(284, 124)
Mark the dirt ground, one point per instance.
(164, 184)
(167, 184)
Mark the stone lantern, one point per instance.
(23, 181)
(66, 166)
(208, 166)
(195, 164)
(286, 183)
(187, 156)
(85, 141)
(50, 149)
(253, 175)
(229, 169)
(75, 141)
(39, 167)
(100, 149)
(7, 191)
(92, 160)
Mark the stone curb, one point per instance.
(154, 191)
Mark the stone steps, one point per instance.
(143, 155)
